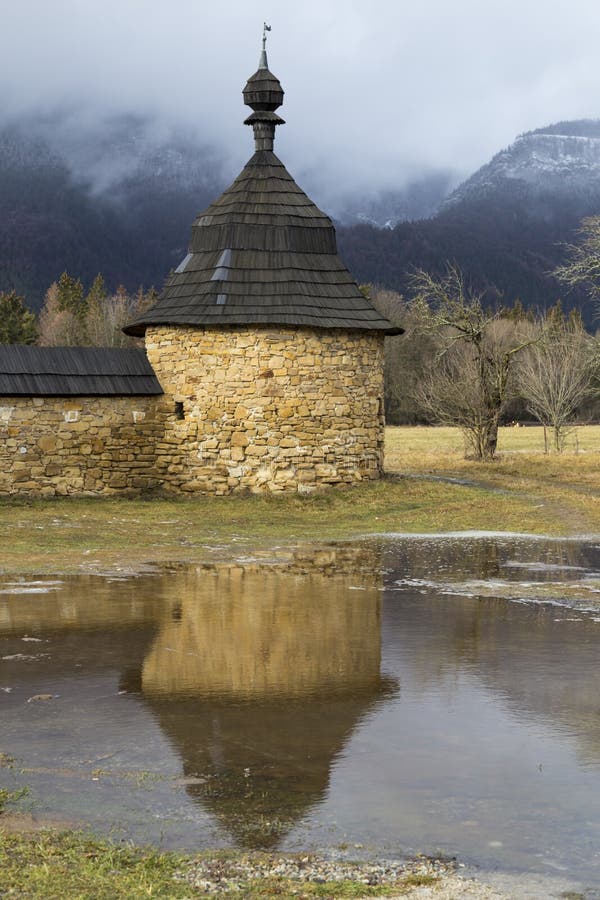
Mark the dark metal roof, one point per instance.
(75, 371)
(263, 253)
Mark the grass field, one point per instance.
(429, 487)
(440, 451)
(563, 489)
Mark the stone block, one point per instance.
(256, 450)
(307, 476)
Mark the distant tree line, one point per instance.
(74, 316)
(18, 324)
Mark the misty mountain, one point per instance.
(115, 197)
(559, 161)
(118, 196)
(419, 199)
(504, 226)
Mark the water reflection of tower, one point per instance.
(259, 677)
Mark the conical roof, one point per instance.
(263, 253)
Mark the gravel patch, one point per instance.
(453, 887)
(421, 877)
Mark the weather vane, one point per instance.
(265, 29)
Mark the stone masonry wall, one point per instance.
(75, 445)
(274, 409)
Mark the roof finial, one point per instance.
(263, 94)
(262, 63)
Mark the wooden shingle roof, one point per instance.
(75, 371)
(263, 253)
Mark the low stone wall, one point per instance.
(278, 409)
(77, 445)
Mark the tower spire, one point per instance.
(263, 62)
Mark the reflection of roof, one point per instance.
(263, 253)
(75, 371)
(262, 765)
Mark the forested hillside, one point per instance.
(122, 208)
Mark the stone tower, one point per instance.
(270, 358)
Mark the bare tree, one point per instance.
(556, 376)
(473, 376)
(58, 326)
(97, 322)
(583, 267)
(105, 318)
(407, 356)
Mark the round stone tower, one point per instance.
(270, 358)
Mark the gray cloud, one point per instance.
(375, 93)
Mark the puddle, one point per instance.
(533, 570)
(388, 694)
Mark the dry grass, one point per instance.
(410, 443)
(74, 535)
(564, 486)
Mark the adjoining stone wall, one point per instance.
(77, 445)
(274, 409)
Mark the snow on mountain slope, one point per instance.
(544, 162)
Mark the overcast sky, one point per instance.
(376, 91)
